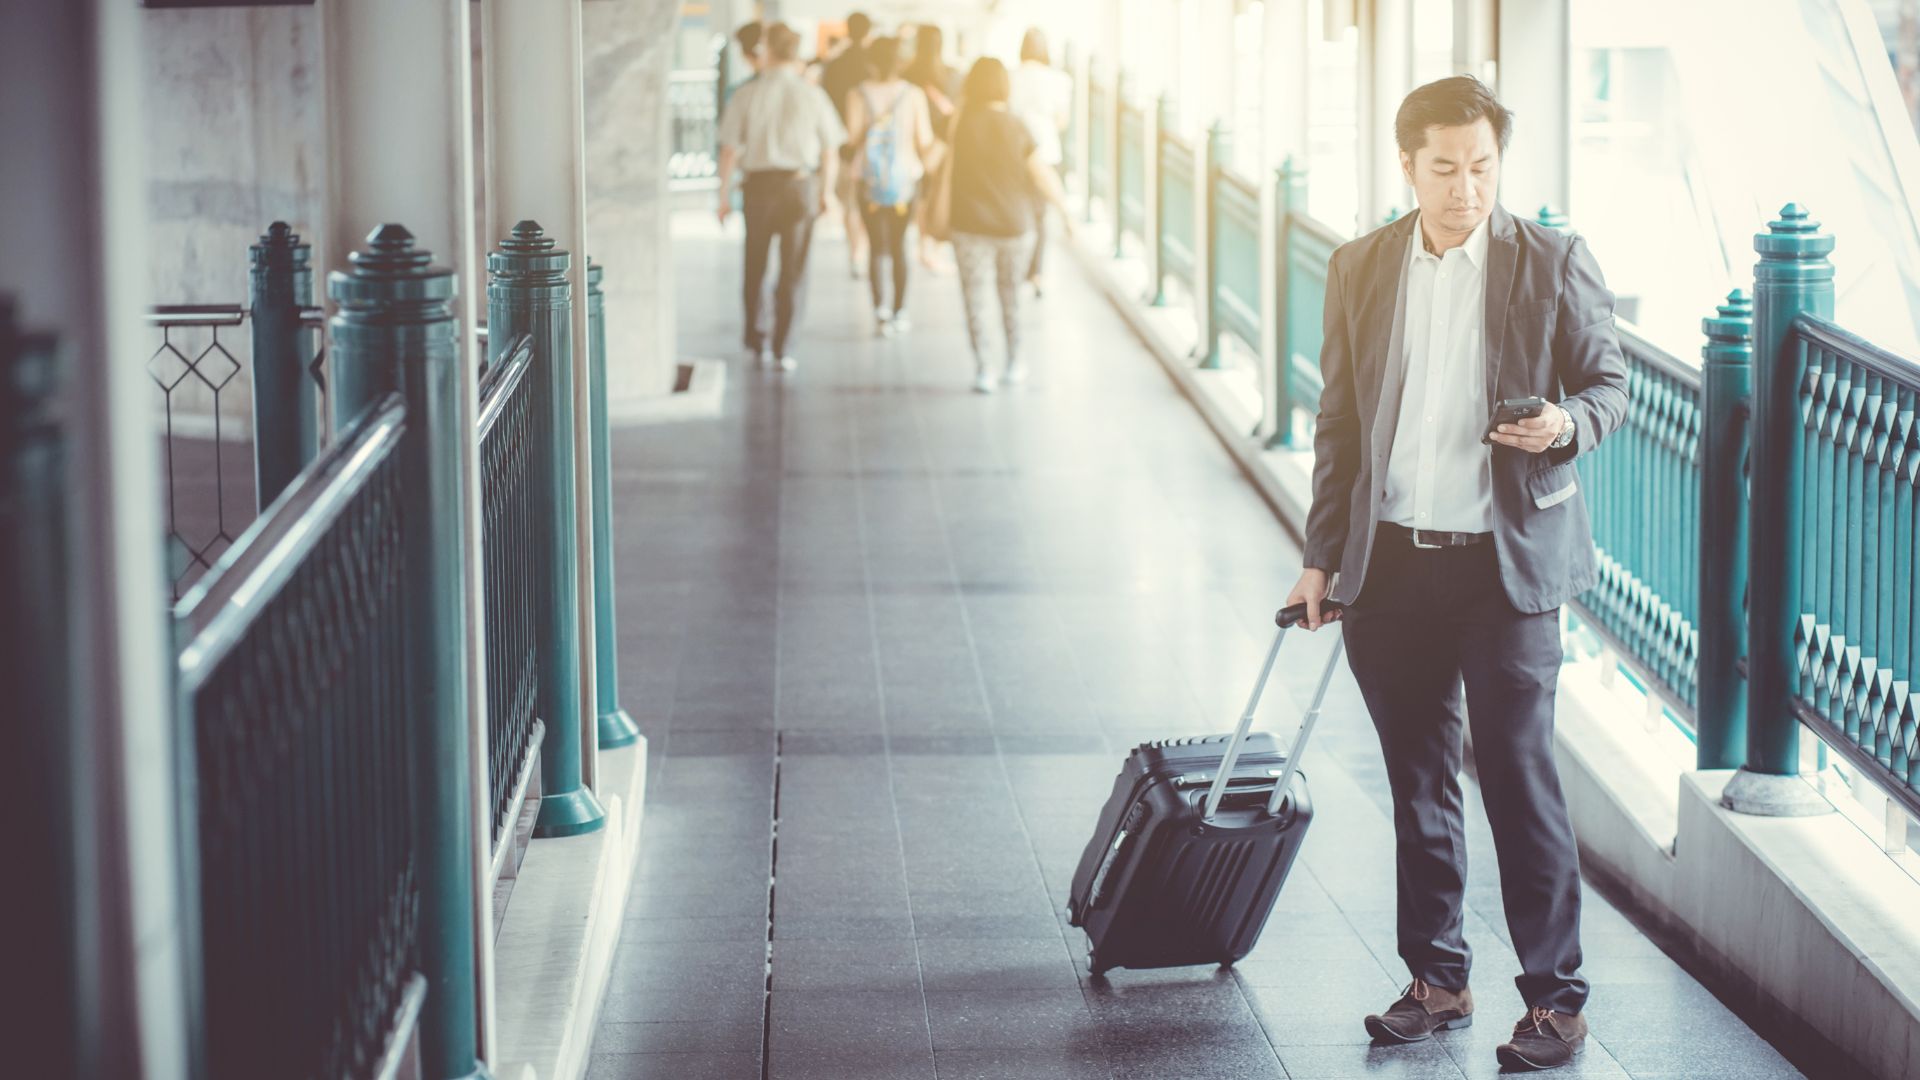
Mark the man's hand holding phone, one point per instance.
(1529, 424)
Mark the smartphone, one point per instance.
(1510, 409)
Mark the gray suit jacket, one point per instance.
(1549, 331)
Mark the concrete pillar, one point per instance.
(1535, 49)
(1386, 60)
(627, 57)
(71, 193)
(537, 170)
(399, 104)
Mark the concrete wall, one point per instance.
(236, 136)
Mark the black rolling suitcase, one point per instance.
(1196, 840)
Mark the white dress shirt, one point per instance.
(1439, 474)
(780, 121)
(1041, 97)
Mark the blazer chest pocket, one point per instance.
(1551, 486)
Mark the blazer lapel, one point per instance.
(1502, 254)
(1384, 317)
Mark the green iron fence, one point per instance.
(1234, 249)
(300, 752)
(224, 460)
(1306, 249)
(513, 437)
(1643, 491)
(1179, 188)
(1132, 218)
(1853, 631)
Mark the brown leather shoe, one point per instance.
(1422, 1010)
(1544, 1039)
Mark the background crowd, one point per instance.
(881, 132)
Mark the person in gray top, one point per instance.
(1453, 554)
(784, 133)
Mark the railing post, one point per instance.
(395, 331)
(286, 419)
(1726, 387)
(1219, 146)
(1290, 198)
(528, 293)
(615, 726)
(1792, 276)
(1552, 219)
(1154, 205)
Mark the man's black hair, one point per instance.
(1455, 101)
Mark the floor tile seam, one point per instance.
(886, 733)
(773, 842)
(1006, 777)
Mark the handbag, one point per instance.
(939, 220)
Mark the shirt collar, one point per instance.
(1475, 245)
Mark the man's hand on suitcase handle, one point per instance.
(1307, 604)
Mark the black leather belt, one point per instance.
(1436, 538)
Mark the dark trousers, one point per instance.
(778, 205)
(887, 244)
(1426, 625)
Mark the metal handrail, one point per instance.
(197, 315)
(218, 610)
(498, 384)
(1637, 345)
(1316, 229)
(1857, 350)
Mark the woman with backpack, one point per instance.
(891, 131)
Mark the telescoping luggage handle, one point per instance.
(1285, 619)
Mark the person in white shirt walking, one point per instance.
(1041, 96)
(785, 134)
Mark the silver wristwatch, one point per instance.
(1565, 436)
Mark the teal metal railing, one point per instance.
(1643, 492)
(223, 463)
(1132, 218)
(1179, 188)
(300, 756)
(529, 291)
(513, 441)
(1306, 248)
(1100, 153)
(1853, 630)
(1234, 251)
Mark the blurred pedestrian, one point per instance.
(847, 70)
(995, 181)
(1041, 97)
(891, 131)
(785, 135)
(928, 70)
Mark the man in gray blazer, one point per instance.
(1453, 555)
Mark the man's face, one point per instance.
(1455, 176)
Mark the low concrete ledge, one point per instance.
(1802, 924)
(699, 386)
(555, 949)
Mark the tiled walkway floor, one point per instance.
(920, 629)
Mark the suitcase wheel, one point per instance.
(1094, 967)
